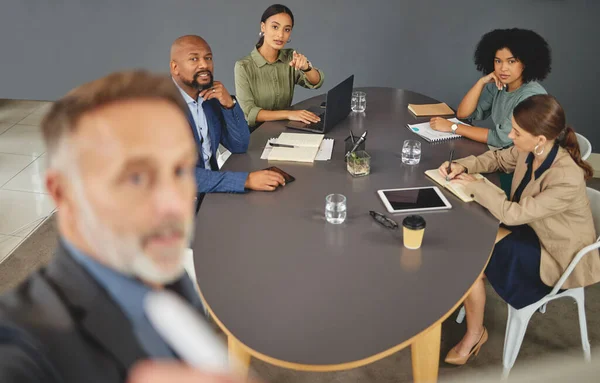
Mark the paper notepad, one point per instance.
(324, 153)
(456, 189)
(424, 130)
(430, 110)
(306, 147)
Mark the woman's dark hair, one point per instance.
(525, 45)
(274, 9)
(542, 115)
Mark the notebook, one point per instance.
(306, 147)
(324, 153)
(424, 130)
(456, 189)
(429, 110)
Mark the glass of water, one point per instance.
(335, 208)
(411, 152)
(359, 101)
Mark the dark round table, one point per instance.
(293, 290)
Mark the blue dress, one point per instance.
(514, 267)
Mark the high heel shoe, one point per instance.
(455, 358)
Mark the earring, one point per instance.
(289, 41)
(535, 150)
(261, 34)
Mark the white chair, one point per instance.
(585, 147)
(519, 319)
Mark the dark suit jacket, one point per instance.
(60, 326)
(229, 128)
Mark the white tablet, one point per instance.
(413, 199)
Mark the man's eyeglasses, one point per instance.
(383, 220)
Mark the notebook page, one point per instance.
(303, 154)
(425, 130)
(325, 150)
(457, 189)
(301, 139)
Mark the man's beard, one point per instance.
(125, 254)
(196, 85)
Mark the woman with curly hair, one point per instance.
(512, 61)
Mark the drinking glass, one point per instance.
(359, 101)
(411, 152)
(335, 208)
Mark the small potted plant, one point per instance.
(359, 163)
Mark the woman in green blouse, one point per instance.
(265, 79)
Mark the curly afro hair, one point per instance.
(525, 45)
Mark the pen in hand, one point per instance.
(449, 170)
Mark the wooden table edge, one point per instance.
(238, 350)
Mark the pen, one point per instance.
(357, 144)
(449, 165)
(352, 137)
(281, 145)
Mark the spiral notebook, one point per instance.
(424, 130)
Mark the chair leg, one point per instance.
(579, 297)
(461, 315)
(516, 326)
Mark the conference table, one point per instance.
(290, 289)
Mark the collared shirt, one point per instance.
(499, 104)
(263, 85)
(201, 124)
(129, 293)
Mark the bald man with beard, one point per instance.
(215, 118)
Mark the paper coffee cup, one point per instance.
(413, 228)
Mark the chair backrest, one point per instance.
(594, 197)
(585, 147)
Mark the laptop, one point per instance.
(338, 101)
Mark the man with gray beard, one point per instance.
(122, 173)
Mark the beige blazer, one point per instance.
(555, 205)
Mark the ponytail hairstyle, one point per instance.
(274, 9)
(542, 115)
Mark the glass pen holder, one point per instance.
(358, 163)
(349, 144)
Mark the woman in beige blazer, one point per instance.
(548, 214)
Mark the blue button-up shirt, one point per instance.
(201, 124)
(129, 294)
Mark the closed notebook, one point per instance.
(456, 189)
(306, 147)
(429, 110)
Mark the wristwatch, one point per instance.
(234, 100)
(309, 67)
(454, 127)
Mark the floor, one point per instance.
(23, 202)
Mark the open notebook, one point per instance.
(424, 130)
(306, 147)
(454, 188)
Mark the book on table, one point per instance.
(431, 110)
(456, 189)
(305, 147)
(425, 130)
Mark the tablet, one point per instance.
(413, 199)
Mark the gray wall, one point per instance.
(49, 46)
